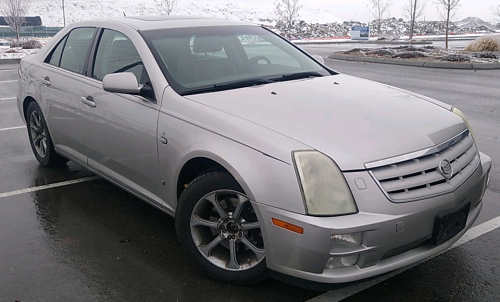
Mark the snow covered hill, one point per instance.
(51, 11)
(473, 23)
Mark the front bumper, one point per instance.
(394, 235)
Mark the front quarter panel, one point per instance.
(264, 178)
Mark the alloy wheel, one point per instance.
(38, 134)
(226, 231)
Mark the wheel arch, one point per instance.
(198, 165)
(26, 102)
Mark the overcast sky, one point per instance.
(358, 10)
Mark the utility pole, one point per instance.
(64, 14)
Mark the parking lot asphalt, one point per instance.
(90, 240)
(66, 235)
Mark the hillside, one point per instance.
(51, 11)
(474, 22)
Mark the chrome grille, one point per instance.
(419, 177)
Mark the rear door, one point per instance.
(60, 88)
(120, 129)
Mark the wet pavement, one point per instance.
(92, 241)
(458, 275)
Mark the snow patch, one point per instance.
(15, 53)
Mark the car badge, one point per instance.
(446, 169)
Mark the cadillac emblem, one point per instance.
(446, 169)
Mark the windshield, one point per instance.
(203, 59)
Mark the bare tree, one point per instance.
(414, 9)
(15, 12)
(287, 11)
(166, 7)
(449, 7)
(379, 10)
(496, 11)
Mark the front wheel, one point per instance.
(217, 225)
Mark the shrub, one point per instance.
(354, 50)
(409, 55)
(486, 55)
(31, 44)
(26, 44)
(485, 43)
(382, 52)
(455, 58)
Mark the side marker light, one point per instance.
(288, 226)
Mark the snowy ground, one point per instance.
(17, 52)
(14, 53)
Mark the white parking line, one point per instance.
(343, 293)
(13, 128)
(49, 186)
(9, 81)
(8, 99)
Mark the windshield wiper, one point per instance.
(228, 86)
(298, 75)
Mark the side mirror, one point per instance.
(319, 59)
(124, 82)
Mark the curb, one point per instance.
(10, 61)
(300, 42)
(427, 64)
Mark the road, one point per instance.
(91, 241)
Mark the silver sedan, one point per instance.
(270, 162)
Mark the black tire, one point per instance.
(39, 136)
(242, 229)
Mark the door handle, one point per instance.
(88, 100)
(46, 81)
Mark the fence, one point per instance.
(30, 31)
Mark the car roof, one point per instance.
(162, 22)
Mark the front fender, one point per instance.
(265, 179)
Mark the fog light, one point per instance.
(339, 262)
(346, 240)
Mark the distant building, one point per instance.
(30, 21)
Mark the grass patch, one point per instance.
(485, 43)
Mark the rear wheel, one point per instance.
(40, 140)
(218, 227)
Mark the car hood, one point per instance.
(354, 121)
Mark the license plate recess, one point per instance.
(449, 223)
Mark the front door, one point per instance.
(120, 129)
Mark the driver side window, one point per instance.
(116, 53)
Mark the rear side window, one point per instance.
(55, 56)
(76, 48)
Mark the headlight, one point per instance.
(462, 115)
(324, 189)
